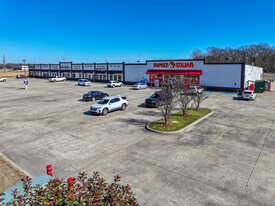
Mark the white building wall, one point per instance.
(136, 73)
(115, 67)
(214, 75)
(221, 75)
(88, 67)
(252, 73)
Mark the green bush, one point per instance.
(75, 191)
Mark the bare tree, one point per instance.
(198, 98)
(184, 98)
(262, 55)
(167, 101)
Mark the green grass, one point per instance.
(182, 121)
(267, 78)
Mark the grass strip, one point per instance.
(177, 121)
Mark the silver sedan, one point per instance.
(139, 86)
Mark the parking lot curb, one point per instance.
(14, 165)
(180, 130)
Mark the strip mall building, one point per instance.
(217, 76)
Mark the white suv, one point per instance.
(195, 89)
(108, 104)
(84, 82)
(248, 94)
(114, 84)
(3, 79)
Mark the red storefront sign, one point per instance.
(174, 65)
(174, 72)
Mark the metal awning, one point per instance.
(174, 72)
(115, 72)
(89, 71)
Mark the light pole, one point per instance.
(23, 66)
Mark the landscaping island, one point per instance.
(177, 121)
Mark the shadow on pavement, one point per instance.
(133, 121)
(143, 105)
(236, 98)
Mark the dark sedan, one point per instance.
(21, 76)
(94, 95)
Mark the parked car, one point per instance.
(84, 82)
(21, 76)
(2, 79)
(108, 104)
(114, 84)
(139, 86)
(248, 94)
(156, 99)
(94, 95)
(195, 89)
(57, 79)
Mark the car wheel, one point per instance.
(121, 85)
(93, 99)
(113, 86)
(54, 80)
(157, 104)
(123, 106)
(4, 80)
(105, 111)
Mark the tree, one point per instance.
(167, 100)
(262, 55)
(75, 191)
(198, 98)
(183, 97)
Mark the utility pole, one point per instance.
(139, 54)
(24, 61)
(4, 61)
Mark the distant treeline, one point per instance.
(10, 66)
(262, 55)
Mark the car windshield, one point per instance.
(155, 96)
(103, 101)
(86, 80)
(136, 84)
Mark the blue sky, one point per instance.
(115, 31)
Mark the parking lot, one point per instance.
(226, 159)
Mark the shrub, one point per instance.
(75, 191)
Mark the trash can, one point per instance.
(259, 87)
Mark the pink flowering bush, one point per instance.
(75, 191)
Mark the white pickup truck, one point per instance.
(3, 79)
(57, 79)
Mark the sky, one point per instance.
(129, 30)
